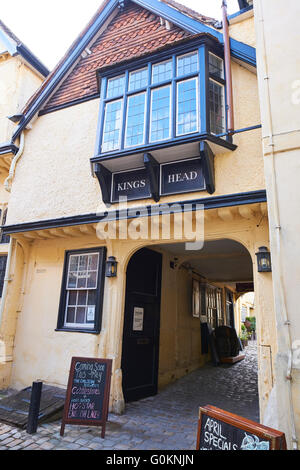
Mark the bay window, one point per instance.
(161, 100)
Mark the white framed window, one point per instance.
(82, 281)
(82, 290)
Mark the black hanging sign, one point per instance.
(87, 399)
(184, 176)
(221, 430)
(133, 184)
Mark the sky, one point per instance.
(49, 28)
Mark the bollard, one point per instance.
(34, 408)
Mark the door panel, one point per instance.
(141, 326)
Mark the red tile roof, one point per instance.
(133, 33)
(81, 83)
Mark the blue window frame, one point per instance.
(163, 99)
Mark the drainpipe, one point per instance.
(227, 58)
(9, 179)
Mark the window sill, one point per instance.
(78, 330)
(218, 141)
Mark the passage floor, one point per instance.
(167, 421)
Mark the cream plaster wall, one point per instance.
(244, 30)
(50, 358)
(61, 144)
(180, 334)
(277, 31)
(32, 349)
(17, 83)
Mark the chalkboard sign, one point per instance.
(88, 391)
(220, 430)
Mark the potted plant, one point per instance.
(244, 336)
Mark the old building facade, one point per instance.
(21, 73)
(137, 110)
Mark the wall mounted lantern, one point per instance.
(264, 260)
(111, 267)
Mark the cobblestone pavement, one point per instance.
(167, 421)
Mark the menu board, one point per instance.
(88, 391)
(221, 430)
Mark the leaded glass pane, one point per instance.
(217, 108)
(162, 72)
(115, 87)
(216, 65)
(187, 64)
(160, 114)
(138, 79)
(135, 126)
(187, 109)
(112, 126)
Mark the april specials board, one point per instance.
(220, 430)
(88, 390)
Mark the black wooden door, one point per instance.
(141, 325)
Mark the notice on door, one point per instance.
(138, 319)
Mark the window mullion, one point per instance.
(101, 115)
(148, 104)
(173, 116)
(124, 114)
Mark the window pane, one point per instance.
(187, 112)
(3, 261)
(91, 297)
(82, 279)
(72, 298)
(112, 126)
(4, 238)
(135, 128)
(72, 281)
(74, 262)
(71, 315)
(217, 107)
(80, 314)
(93, 262)
(115, 87)
(162, 72)
(160, 114)
(92, 280)
(138, 79)
(216, 65)
(82, 297)
(187, 64)
(83, 263)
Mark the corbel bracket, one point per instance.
(104, 177)
(152, 168)
(208, 159)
